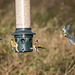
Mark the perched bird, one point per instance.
(36, 46)
(14, 45)
(66, 34)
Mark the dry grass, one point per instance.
(57, 59)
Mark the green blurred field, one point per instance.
(48, 17)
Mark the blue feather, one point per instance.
(68, 28)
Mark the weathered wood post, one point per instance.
(23, 35)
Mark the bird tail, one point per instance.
(72, 40)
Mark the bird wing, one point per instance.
(63, 28)
(39, 46)
(16, 45)
(68, 28)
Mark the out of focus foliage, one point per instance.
(48, 17)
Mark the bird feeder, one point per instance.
(23, 34)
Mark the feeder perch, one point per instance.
(0, 38)
(23, 34)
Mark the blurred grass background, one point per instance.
(48, 17)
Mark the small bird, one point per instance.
(66, 34)
(36, 46)
(14, 45)
(66, 30)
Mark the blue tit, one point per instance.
(36, 46)
(66, 34)
(65, 31)
(14, 45)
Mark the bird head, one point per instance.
(12, 40)
(36, 41)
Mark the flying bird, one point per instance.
(66, 30)
(66, 34)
